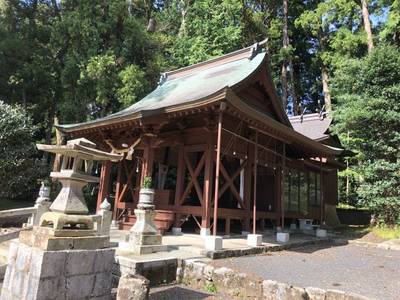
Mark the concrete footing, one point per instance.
(213, 243)
(321, 233)
(176, 230)
(254, 240)
(204, 231)
(282, 237)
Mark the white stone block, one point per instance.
(254, 240)
(176, 230)
(282, 237)
(204, 232)
(213, 243)
(245, 233)
(321, 233)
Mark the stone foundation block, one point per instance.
(133, 287)
(213, 243)
(315, 293)
(321, 233)
(282, 237)
(204, 231)
(176, 231)
(34, 273)
(254, 240)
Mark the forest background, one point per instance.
(68, 61)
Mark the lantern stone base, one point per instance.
(143, 237)
(34, 273)
(43, 238)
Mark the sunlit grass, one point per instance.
(387, 232)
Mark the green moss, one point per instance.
(210, 287)
(387, 232)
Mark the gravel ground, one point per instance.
(368, 271)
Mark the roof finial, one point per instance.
(162, 79)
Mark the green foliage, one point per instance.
(19, 168)
(210, 287)
(367, 91)
(147, 182)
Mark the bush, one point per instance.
(20, 168)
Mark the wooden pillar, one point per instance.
(321, 194)
(227, 226)
(208, 168)
(217, 165)
(118, 190)
(247, 187)
(104, 186)
(148, 161)
(180, 177)
(255, 183)
(282, 205)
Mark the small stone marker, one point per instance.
(133, 287)
(213, 243)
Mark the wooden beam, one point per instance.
(191, 183)
(217, 166)
(232, 186)
(194, 177)
(180, 176)
(205, 221)
(118, 190)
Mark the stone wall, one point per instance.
(68, 274)
(200, 275)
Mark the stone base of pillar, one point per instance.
(34, 273)
(176, 231)
(321, 233)
(140, 249)
(205, 231)
(282, 237)
(213, 243)
(254, 240)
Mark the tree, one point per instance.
(20, 168)
(367, 91)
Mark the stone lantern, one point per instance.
(63, 257)
(68, 212)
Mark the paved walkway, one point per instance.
(368, 271)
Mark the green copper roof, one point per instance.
(187, 86)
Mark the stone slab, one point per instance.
(141, 249)
(40, 238)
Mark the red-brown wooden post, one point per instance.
(180, 176)
(104, 186)
(321, 194)
(255, 183)
(205, 221)
(117, 199)
(217, 165)
(247, 188)
(283, 187)
(148, 160)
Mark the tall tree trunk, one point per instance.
(296, 108)
(325, 89)
(285, 46)
(367, 25)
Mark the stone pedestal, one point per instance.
(204, 231)
(282, 237)
(254, 240)
(176, 231)
(213, 243)
(321, 233)
(34, 273)
(144, 237)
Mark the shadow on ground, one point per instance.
(178, 292)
